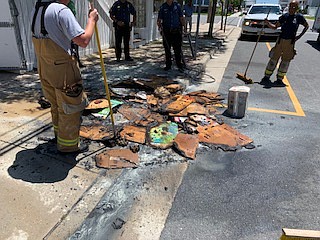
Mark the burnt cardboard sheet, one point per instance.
(117, 158)
(151, 120)
(162, 92)
(98, 104)
(173, 88)
(186, 144)
(205, 94)
(134, 113)
(152, 100)
(193, 108)
(96, 132)
(222, 135)
(134, 134)
(179, 104)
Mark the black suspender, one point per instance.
(45, 6)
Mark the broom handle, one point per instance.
(103, 71)
(254, 49)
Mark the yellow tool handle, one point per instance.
(103, 72)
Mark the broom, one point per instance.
(244, 77)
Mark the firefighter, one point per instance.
(120, 14)
(284, 48)
(171, 23)
(54, 27)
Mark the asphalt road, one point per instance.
(248, 194)
(253, 194)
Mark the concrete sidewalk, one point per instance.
(47, 196)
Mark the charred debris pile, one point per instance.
(155, 112)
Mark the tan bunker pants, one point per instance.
(284, 49)
(60, 75)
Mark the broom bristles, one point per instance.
(244, 78)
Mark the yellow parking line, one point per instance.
(299, 111)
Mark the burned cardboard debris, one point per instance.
(152, 100)
(162, 92)
(98, 104)
(117, 158)
(97, 132)
(134, 134)
(174, 88)
(186, 144)
(134, 113)
(168, 119)
(208, 95)
(223, 135)
(179, 104)
(151, 120)
(193, 108)
(106, 111)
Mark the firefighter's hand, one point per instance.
(120, 23)
(93, 14)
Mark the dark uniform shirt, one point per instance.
(290, 24)
(170, 15)
(122, 11)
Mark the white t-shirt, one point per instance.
(61, 25)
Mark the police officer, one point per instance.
(120, 15)
(284, 48)
(54, 27)
(188, 11)
(171, 22)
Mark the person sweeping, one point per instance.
(284, 48)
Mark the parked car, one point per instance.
(253, 21)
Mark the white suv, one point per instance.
(253, 21)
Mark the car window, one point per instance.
(264, 9)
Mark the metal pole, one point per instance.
(197, 33)
(226, 10)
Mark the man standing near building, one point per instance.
(120, 14)
(284, 48)
(188, 11)
(171, 23)
(54, 26)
